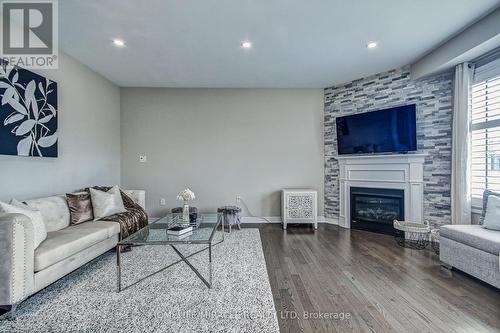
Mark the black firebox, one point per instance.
(375, 209)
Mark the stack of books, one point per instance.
(180, 231)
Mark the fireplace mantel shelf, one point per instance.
(380, 156)
(391, 171)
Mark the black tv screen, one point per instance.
(384, 131)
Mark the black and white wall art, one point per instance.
(28, 113)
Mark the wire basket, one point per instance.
(412, 235)
(435, 240)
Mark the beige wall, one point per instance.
(89, 138)
(222, 143)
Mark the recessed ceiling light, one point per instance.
(246, 44)
(371, 45)
(118, 42)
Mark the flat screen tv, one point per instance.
(385, 131)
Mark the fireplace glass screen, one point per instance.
(375, 209)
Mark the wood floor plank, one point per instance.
(383, 287)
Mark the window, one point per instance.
(495, 163)
(485, 127)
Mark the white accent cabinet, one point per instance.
(299, 206)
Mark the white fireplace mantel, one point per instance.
(399, 171)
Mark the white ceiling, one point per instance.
(296, 43)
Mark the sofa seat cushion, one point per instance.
(473, 235)
(66, 242)
(55, 211)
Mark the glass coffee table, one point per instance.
(156, 234)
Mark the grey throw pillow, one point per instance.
(80, 207)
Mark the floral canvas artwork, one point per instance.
(28, 113)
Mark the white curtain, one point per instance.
(461, 146)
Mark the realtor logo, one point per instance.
(29, 33)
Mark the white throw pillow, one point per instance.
(492, 215)
(106, 203)
(16, 207)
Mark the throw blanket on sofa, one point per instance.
(132, 220)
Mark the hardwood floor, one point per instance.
(366, 276)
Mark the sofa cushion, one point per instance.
(473, 235)
(106, 203)
(486, 196)
(80, 207)
(113, 228)
(491, 218)
(66, 242)
(39, 230)
(55, 211)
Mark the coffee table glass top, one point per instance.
(156, 232)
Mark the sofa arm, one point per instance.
(16, 258)
(139, 197)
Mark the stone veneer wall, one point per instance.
(433, 97)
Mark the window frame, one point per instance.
(479, 121)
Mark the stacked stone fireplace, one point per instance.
(433, 97)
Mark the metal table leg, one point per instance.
(207, 283)
(183, 258)
(118, 268)
(210, 263)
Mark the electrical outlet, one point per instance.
(163, 202)
(238, 198)
(143, 158)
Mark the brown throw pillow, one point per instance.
(80, 207)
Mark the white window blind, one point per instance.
(485, 127)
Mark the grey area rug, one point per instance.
(174, 300)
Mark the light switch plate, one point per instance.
(143, 158)
(162, 202)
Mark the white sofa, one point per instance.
(25, 270)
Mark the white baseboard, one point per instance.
(245, 219)
(329, 220)
(269, 219)
(259, 219)
(277, 219)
